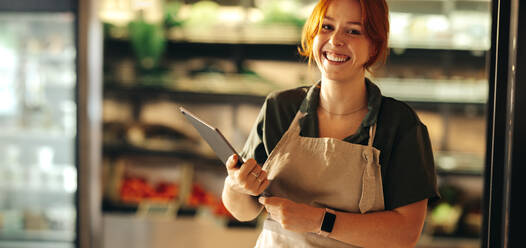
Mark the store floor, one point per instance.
(130, 231)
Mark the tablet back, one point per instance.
(212, 136)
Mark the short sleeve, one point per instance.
(254, 146)
(410, 174)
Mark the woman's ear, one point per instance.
(373, 52)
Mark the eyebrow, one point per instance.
(351, 22)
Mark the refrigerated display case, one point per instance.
(38, 127)
(43, 186)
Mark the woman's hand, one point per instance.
(293, 216)
(248, 179)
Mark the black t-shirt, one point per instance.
(406, 157)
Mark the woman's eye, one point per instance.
(326, 27)
(354, 31)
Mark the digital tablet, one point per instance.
(213, 137)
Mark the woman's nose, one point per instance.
(336, 39)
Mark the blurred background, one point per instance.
(159, 184)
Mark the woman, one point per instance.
(339, 164)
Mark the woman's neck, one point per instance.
(343, 98)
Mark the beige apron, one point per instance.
(321, 172)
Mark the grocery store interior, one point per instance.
(95, 153)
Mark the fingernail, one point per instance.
(261, 199)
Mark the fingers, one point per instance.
(255, 181)
(267, 200)
(272, 206)
(258, 178)
(249, 179)
(247, 168)
(232, 162)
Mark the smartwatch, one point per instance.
(327, 223)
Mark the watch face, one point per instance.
(328, 222)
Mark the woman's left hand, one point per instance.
(293, 216)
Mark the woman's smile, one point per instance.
(335, 58)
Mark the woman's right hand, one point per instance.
(249, 179)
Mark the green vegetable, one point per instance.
(148, 42)
(171, 10)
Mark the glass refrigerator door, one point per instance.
(38, 120)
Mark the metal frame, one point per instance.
(506, 116)
(89, 95)
(517, 108)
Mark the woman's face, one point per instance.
(341, 48)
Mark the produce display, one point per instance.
(136, 189)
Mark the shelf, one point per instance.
(47, 7)
(109, 206)
(459, 164)
(461, 173)
(181, 50)
(436, 91)
(119, 150)
(417, 92)
(43, 236)
(269, 34)
(33, 244)
(113, 90)
(40, 192)
(28, 134)
(427, 241)
(436, 45)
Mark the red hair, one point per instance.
(375, 19)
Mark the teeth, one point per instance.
(336, 58)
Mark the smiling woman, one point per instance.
(337, 163)
(342, 48)
(374, 21)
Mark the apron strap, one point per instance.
(372, 133)
(294, 127)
